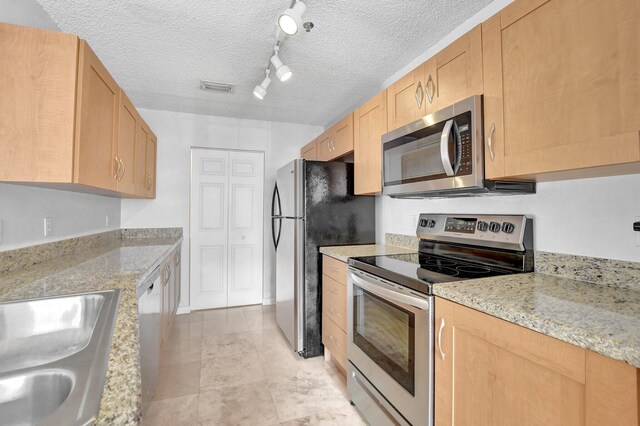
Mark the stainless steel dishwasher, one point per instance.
(149, 319)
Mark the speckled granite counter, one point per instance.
(343, 253)
(113, 263)
(605, 319)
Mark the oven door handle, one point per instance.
(444, 148)
(394, 296)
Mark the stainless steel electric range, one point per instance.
(390, 308)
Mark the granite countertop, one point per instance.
(122, 264)
(604, 319)
(343, 253)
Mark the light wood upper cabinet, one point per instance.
(38, 72)
(343, 136)
(336, 141)
(562, 87)
(150, 165)
(64, 121)
(145, 169)
(324, 146)
(309, 151)
(370, 123)
(457, 70)
(489, 371)
(98, 106)
(406, 99)
(128, 124)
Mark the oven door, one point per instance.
(390, 341)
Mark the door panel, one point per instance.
(226, 228)
(406, 100)
(286, 178)
(370, 123)
(246, 221)
(96, 123)
(209, 234)
(126, 152)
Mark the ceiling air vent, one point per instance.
(218, 87)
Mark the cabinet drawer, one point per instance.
(334, 301)
(335, 340)
(335, 269)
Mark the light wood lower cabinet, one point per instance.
(562, 89)
(334, 310)
(369, 124)
(490, 372)
(310, 151)
(65, 122)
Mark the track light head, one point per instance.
(260, 91)
(283, 72)
(291, 19)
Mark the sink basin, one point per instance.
(29, 398)
(53, 358)
(37, 332)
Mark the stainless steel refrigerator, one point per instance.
(313, 205)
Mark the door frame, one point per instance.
(208, 148)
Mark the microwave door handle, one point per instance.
(444, 148)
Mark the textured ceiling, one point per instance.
(159, 50)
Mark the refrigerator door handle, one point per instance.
(273, 232)
(274, 198)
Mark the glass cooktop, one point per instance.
(420, 271)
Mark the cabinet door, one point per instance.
(140, 169)
(309, 151)
(562, 87)
(370, 123)
(343, 137)
(458, 70)
(177, 280)
(126, 148)
(325, 146)
(406, 99)
(150, 165)
(96, 123)
(492, 372)
(37, 104)
(166, 294)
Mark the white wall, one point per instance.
(588, 217)
(26, 12)
(177, 133)
(23, 209)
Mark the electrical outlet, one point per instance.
(106, 220)
(637, 233)
(47, 226)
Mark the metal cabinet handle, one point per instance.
(117, 160)
(444, 148)
(490, 141)
(419, 95)
(333, 146)
(123, 169)
(440, 338)
(427, 85)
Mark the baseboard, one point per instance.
(270, 301)
(183, 310)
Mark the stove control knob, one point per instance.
(431, 223)
(483, 226)
(423, 223)
(508, 227)
(494, 227)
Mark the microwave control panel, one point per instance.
(463, 126)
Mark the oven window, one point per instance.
(386, 333)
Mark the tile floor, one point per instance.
(233, 367)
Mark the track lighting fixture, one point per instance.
(260, 91)
(283, 72)
(291, 19)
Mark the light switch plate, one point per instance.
(47, 226)
(106, 220)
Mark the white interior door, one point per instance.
(226, 228)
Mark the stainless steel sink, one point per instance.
(53, 358)
(29, 398)
(37, 332)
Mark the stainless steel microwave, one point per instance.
(441, 155)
